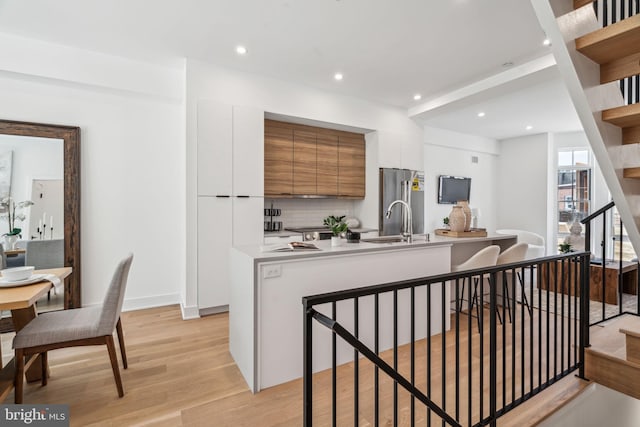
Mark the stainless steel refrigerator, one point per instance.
(406, 185)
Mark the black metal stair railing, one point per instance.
(612, 11)
(410, 352)
(602, 218)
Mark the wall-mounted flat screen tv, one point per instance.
(451, 189)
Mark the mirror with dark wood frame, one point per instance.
(70, 136)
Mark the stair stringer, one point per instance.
(582, 79)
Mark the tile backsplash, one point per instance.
(304, 212)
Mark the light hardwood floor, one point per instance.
(181, 373)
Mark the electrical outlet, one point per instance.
(271, 270)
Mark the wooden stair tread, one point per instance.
(606, 337)
(619, 69)
(631, 173)
(625, 116)
(611, 42)
(577, 4)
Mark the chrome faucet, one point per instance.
(407, 233)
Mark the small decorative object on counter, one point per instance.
(337, 226)
(272, 225)
(467, 213)
(457, 219)
(445, 222)
(353, 237)
(352, 222)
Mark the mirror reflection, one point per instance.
(32, 170)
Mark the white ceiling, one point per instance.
(388, 50)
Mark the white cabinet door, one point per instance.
(214, 141)
(248, 151)
(248, 221)
(214, 242)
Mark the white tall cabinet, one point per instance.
(230, 193)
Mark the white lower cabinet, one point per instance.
(222, 223)
(214, 240)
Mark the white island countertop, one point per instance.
(277, 252)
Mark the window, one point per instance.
(574, 188)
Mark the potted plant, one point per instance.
(445, 221)
(10, 211)
(337, 226)
(565, 247)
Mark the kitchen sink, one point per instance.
(383, 239)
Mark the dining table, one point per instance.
(20, 300)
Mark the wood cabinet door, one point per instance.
(304, 162)
(278, 160)
(351, 166)
(327, 164)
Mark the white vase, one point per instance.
(10, 242)
(335, 240)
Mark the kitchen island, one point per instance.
(267, 286)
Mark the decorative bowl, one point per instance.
(17, 273)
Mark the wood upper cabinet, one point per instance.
(304, 160)
(351, 166)
(327, 164)
(278, 160)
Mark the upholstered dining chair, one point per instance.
(515, 253)
(75, 327)
(486, 257)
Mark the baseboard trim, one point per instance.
(214, 310)
(190, 312)
(150, 302)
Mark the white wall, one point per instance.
(205, 81)
(522, 184)
(450, 153)
(33, 158)
(132, 157)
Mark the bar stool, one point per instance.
(486, 257)
(515, 253)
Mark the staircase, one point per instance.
(593, 60)
(613, 359)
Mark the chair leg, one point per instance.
(524, 294)
(121, 343)
(475, 300)
(111, 348)
(44, 365)
(461, 294)
(507, 298)
(19, 379)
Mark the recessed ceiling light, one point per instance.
(481, 114)
(241, 50)
(338, 76)
(529, 127)
(547, 42)
(417, 97)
